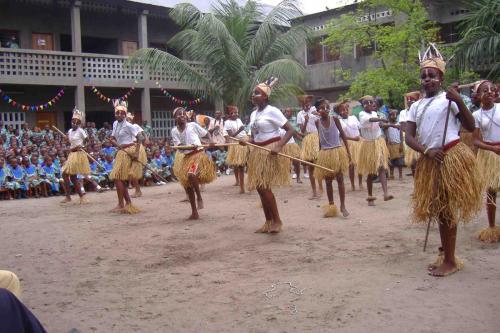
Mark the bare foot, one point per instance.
(391, 177)
(371, 203)
(186, 199)
(136, 195)
(445, 269)
(236, 184)
(275, 227)
(299, 181)
(344, 211)
(264, 229)
(242, 191)
(83, 200)
(117, 209)
(388, 197)
(66, 200)
(200, 204)
(314, 197)
(194, 216)
(353, 188)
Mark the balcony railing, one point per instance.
(19, 66)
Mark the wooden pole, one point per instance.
(285, 155)
(90, 156)
(204, 146)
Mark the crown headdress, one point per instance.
(432, 58)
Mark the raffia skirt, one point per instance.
(197, 163)
(354, 147)
(77, 163)
(489, 168)
(291, 149)
(176, 168)
(137, 167)
(237, 155)
(335, 159)
(123, 164)
(266, 170)
(394, 152)
(411, 156)
(373, 155)
(310, 147)
(451, 191)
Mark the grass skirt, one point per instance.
(354, 150)
(176, 168)
(394, 152)
(137, 167)
(291, 149)
(335, 159)
(310, 147)
(411, 156)
(205, 171)
(489, 235)
(451, 191)
(373, 155)
(123, 162)
(266, 170)
(489, 168)
(77, 163)
(237, 156)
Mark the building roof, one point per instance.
(204, 6)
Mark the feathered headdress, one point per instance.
(130, 116)
(477, 84)
(303, 99)
(432, 58)
(267, 86)
(77, 114)
(120, 105)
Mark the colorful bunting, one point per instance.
(9, 100)
(107, 99)
(179, 101)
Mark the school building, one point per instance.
(324, 64)
(79, 48)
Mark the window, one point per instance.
(9, 39)
(449, 32)
(318, 53)
(16, 119)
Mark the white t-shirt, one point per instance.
(177, 137)
(369, 130)
(266, 124)
(124, 132)
(393, 135)
(282, 134)
(403, 116)
(76, 137)
(218, 136)
(431, 123)
(234, 126)
(194, 133)
(311, 123)
(350, 126)
(488, 121)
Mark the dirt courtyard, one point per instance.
(82, 267)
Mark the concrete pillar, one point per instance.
(143, 43)
(146, 105)
(80, 97)
(143, 29)
(76, 30)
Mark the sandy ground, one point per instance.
(85, 268)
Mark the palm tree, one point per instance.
(480, 33)
(238, 46)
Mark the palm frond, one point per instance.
(160, 61)
(287, 43)
(279, 16)
(286, 70)
(185, 15)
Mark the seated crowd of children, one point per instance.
(31, 161)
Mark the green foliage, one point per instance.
(236, 47)
(480, 32)
(395, 47)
